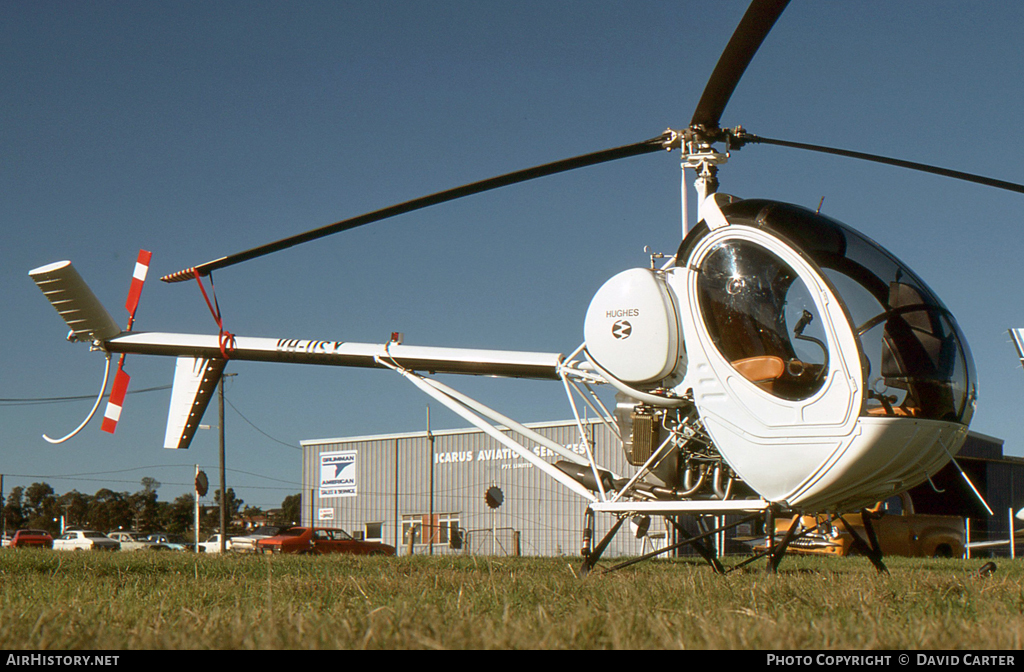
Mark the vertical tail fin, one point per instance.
(195, 379)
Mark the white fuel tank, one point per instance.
(631, 327)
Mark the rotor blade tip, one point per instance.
(180, 276)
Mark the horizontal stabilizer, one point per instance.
(67, 291)
(195, 379)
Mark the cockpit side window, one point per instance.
(915, 362)
(762, 319)
(919, 355)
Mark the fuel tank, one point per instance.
(632, 327)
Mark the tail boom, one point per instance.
(504, 363)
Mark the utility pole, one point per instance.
(430, 438)
(195, 491)
(223, 478)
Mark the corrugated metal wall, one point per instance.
(399, 475)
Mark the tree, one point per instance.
(150, 485)
(251, 513)
(14, 511)
(145, 510)
(110, 510)
(74, 506)
(179, 516)
(40, 507)
(291, 508)
(233, 506)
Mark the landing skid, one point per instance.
(591, 556)
(774, 553)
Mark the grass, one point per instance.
(64, 601)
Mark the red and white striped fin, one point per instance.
(116, 402)
(138, 279)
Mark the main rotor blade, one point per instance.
(603, 156)
(936, 170)
(750, 33)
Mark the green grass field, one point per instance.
(147, 600)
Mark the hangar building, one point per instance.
(418, 487)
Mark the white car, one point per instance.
(247, 543)
(133, 541)
(85, 540)
(212, 545)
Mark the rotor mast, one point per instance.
(702, 157)
(697, 152)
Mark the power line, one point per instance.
(283, 443)
(84, 476)
(34, 401)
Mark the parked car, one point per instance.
(212, 545)
(135, 541)
(5, 541)
(321, 540)
(31, 538)
(85, 540)
(173, 542)
(246, 543)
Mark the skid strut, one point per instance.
(698, 544)
(777, 551)
(592, 555)
(869, 546)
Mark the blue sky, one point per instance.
(198, 129)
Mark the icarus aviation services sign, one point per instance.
(338, 474)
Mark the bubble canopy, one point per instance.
(760, 315)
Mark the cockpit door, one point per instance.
(774, 365)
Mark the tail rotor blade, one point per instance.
(121, 380)
(116, 401)
(138, 280)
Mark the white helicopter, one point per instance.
(779, 363)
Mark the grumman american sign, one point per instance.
(338, 474)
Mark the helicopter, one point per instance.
(777, 362)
